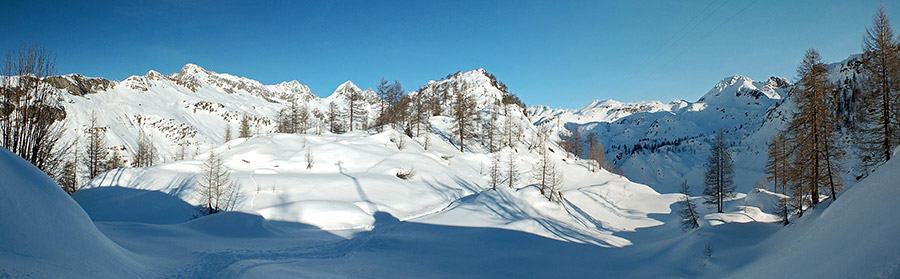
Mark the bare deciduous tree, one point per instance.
(30, 117)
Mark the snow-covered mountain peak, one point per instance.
(154, 75)
(192, 69)
(345, 88)
(742, 91)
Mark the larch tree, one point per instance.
(116, 160)
(512, 170)
(393, 107)
(778, 171)
(495, 174)
(244, 129)
(877, 120)
(228, 135)
(145, 155)
(334, 117)
(572, 141)
(491, 129)
(69, 178)
(215, 185)
(596, 152)
(719, 176)
(544, 172)
(777, 162)
(383, 90)
(814, 128)
(465, 114)
(355, 111)
(96, 151)
(688, 210)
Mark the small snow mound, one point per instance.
(326, 215)
(121, 204)
(232, 224)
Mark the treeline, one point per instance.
(805, 160)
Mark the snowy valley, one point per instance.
(404, 199)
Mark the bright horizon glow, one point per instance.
(559, 54)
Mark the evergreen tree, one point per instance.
(719, 176)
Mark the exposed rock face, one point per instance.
(79, 85)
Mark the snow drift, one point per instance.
(46, 234)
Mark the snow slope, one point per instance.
(354, 175)
(661, 144)
(46, 234)
(851, 237)
(192, 107)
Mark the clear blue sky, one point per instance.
(556, 53)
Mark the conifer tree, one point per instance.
(512, 170)
(813, 129)
(465, 115)
(244, 129)
(355, 113)
(215, 186)
(69, 178)
(495, 173)
(544, 172)
(688, 210)
(777, 163)
(334, 118)
(877, 120)
(719, 176)
(115, 160)
(96, 151)
(227, 132)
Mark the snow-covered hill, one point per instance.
(191, 107)
(661, 144)
(46, 234)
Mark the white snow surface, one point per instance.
(348, 214)
(45, 234)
